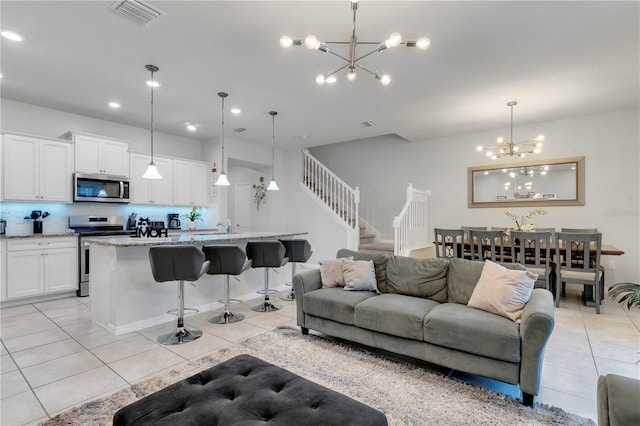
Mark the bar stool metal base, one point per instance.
(181, 335)
(288, 296)
(266, 306)
(226, 318)
(271, 291)
(187, 311)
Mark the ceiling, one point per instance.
(557, 59)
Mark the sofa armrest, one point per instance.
(535, 329)
(304, 282)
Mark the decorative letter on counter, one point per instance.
(145, 230)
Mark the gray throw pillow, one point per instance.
(379, 263)
(426, 278)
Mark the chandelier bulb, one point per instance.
(351, 75)
(331, 79)
(423, 43)
(394, 40)
(311, 42)
(479, 148)
(540, 138)
(286, 41)
(385, 80)
(320, 80)
(500, 140)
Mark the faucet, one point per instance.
(226, 225)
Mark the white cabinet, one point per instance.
(101, 155)
(37, 169)
(191, 183)
(37, 266)
(151, 191)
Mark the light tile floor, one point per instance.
(53, 357)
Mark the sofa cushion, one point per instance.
(394, 314)
(471, 330)
(463, 275)
(334, 303)
(425, 278)
(379, 262)
(331, 273)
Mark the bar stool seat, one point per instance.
(296, 250)
(226, 260)
(266, 254)
(178, 263)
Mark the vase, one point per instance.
(192, 225)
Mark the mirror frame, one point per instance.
(578, 201)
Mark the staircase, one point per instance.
(369, 244)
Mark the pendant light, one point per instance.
(273, 186)
(152, 170)
(222, 180)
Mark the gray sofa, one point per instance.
(421, 312)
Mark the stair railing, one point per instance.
(339, 197)
(410, 227)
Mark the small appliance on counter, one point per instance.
(174, 222)
(37, 217)
(132, 223)
(3, 226)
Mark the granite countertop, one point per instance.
(61, 234)
(189, 238)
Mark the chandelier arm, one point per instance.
(373, 73)
(337, 54)
(378, 49)
(357, 42)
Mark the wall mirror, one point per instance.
(558, 182)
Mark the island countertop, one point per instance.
(189, 238)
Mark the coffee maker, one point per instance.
(173, 221)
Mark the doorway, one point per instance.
(243, 201)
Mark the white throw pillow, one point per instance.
(359, 275)
(502, 291)
(331, 273)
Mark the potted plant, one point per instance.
(192, 216)
(626, 294)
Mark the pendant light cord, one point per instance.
(222, 95)
(152, 83)
(273, 146)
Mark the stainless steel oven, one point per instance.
(92, 226)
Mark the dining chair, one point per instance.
(578, 256)
(449, 242)
(574, 246)
(467, 238)
(487, 245)
(533, 251)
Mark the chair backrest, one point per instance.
(266, 254)
(531, 248)
(226, 259)
(499, 228)
(574, 251)
(177, 263)
(466, 230)
(449, 242)
(580, 230)
(297, 250)
(487, 245)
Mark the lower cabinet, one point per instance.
(37, 266)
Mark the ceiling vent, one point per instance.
(369, 123)
(239, 130)
(137, 11)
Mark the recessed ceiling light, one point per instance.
(236, 110)
(191, 127)
(11, 35)
(153, 83)
(1, 75)
(114, 105)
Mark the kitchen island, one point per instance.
(125, 297)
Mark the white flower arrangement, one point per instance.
(522, 221)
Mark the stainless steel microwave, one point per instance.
(100, 188)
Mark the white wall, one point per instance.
(26, 118)
(610, 142)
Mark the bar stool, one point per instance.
(178, 263)
(296, 250)
(226, 260)
(266, 254)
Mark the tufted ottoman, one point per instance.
(248, 391)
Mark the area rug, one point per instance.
(407, 393)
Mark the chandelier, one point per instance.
(352, 61)
(511, 148)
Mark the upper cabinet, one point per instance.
(100, 155)
(151, 191)
(37, 168)
(191, 183)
